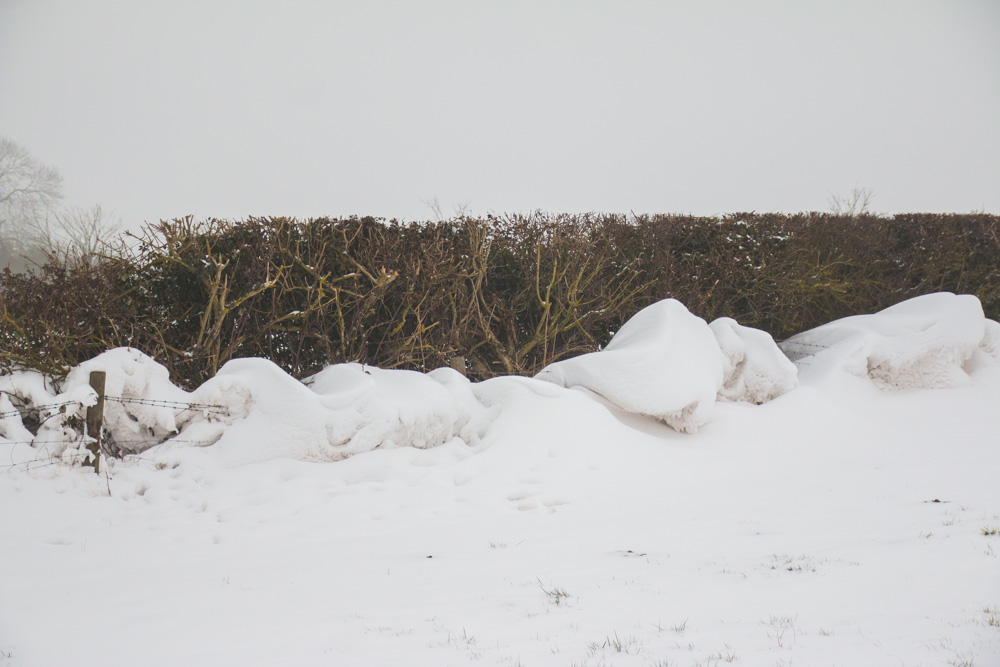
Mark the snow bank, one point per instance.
(929, 341)
(664, 363)
(29, 393)
(28, 387)
(669, 364)
(344, 410)
(143, 407)
(390, 408)
(251, 410)
(571, 533)
(754, 367)
(11, 427)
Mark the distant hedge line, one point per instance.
(509, 293)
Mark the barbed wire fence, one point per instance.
(103, 442)
(181, 406)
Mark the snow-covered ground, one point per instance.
(372, 517)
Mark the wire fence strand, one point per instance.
(181, 406)
(51, 409)
(175, 405)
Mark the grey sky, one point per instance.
(158, 109)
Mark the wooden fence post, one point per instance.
(95, 417)
(458, 363)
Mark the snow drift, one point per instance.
(143, 405)
(250, 411)
(671, 365)
(755, 369)
(54, 413)
(930, 341)
(663, 363)
(830, 527)
(344, 410)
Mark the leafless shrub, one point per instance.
(509, 293)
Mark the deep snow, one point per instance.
(844, 522)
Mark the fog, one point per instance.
(228, 109)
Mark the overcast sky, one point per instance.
(159, 109)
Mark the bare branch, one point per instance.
(857, 203)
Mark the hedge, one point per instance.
(509, 293)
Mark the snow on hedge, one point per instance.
(929, 341)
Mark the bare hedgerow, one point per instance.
(508, 294)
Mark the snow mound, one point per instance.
(142, 403)
(251, 410)
(11, 427)
(990, 344)
(930, 341)
(30, 388)
(29, 393)
(664, 363)
(755, 369)
(344, 410)
(397, 407)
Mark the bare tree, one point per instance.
(78, 232)
(856, 203)
(461, 209)
(32, 228)
(435, 206)
(29, 192)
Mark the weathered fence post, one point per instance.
(458, 363)
(95, 417)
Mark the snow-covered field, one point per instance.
(629, 507)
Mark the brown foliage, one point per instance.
(510, 294)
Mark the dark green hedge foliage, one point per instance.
(509, 293)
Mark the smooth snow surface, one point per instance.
(530, 524)
(663, 363)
